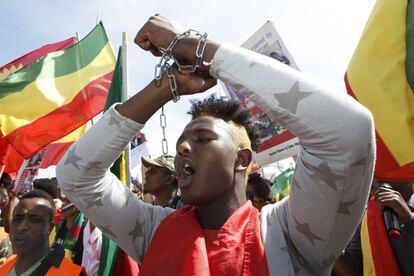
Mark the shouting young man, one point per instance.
(220, 232)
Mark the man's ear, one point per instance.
(244, 158)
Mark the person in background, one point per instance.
(137, 189)
(258, 191)
(8, 200)
(160, 181)
(401, 200)
(50, 186)
(69, 232)
(5, 245)
(29, 231)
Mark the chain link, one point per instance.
(167, 59)
(173, 83)
(163, 124)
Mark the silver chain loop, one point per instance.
(173, 83)
(167, 59)
(163, 124)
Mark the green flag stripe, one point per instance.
(109, 253)
(57, 64)
(115, 91)
(116, 96)
(410, 45)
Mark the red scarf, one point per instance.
(178, 246)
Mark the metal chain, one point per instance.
(167, 59)
(173, 83)
(163, 124)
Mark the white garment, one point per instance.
(302, 234)
(92, 243)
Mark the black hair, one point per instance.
(47, 185)
(136, 186)
(6, 181)
(41, 194)
(228, 110)
(261, 187)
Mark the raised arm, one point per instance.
(335, 165)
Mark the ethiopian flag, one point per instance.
(114, 261)
(281, 184)
(381, 77)
(378, 256)
(8, 155)
(56, 94)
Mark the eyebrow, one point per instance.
(195, 131)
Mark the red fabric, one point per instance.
(14, 160)
(88, 102)
(53, 154)
(75, 231)
(58, 216)
(4, 151)
(33, 55)
(8, 155)
(124, 265)
(178, 246)
(386, 167)
(383, 257)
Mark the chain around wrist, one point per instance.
(165, 64)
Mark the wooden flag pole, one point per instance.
(124, 54)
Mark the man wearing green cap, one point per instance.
(160, 181)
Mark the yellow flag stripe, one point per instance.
(377, 77)
(32, 102)
(369, 268)
(73, 136)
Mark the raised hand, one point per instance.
(159, 31)
(191, 83)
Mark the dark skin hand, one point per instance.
(390, 198)
(158, 32)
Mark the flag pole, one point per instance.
(124, 56)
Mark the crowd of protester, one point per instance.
(203, 212)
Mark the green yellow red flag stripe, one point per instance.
(56, 94)
(8, 156)
(28, 58)
(378, 77)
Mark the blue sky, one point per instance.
(321, 35)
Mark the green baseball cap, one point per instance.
(163, 161)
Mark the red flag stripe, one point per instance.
(94, 94)
(32, 56)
